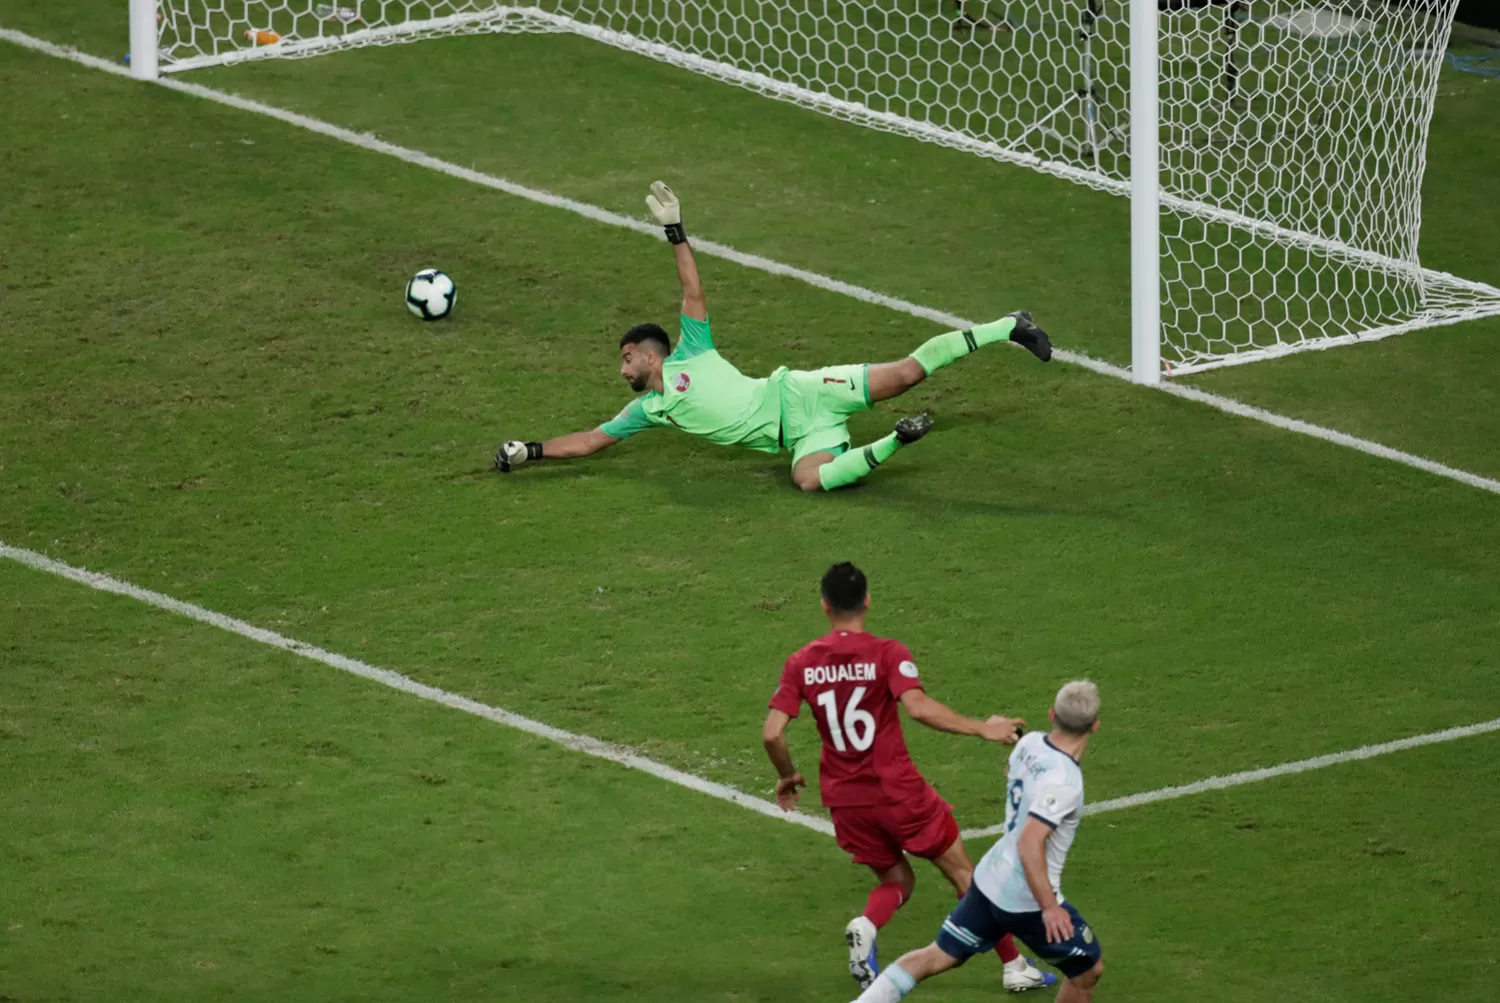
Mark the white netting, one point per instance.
(197, 33)
(1293, 137)
(1295, 204)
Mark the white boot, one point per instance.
(1021, 975)
(860, 935)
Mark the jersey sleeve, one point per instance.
(900, 670)
(1055, 800)
(628, 422)
(788, 695)
(695, 339)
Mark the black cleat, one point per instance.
(1030, 337)
(909, 430)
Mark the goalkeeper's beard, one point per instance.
(638, 383)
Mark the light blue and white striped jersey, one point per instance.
(1045, 784)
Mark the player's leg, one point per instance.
(1017, 973)
(971, 928)
(955, 865)
(816, 407)
(902, 977)
(807, 470)
(945, 349)
(1080, 988)
(859, 833)
(892, 890)
(959, 870)
(832, 394)
(1080, 958)
(892, 379)
(884, 380)
(817, 467)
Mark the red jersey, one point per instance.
(852, 682)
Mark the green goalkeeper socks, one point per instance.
(857, 463)
(949, 348)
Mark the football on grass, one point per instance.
(431, 294)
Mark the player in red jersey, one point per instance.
(882, 807)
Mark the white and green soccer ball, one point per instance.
(431, 294)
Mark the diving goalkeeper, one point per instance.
(695, 389)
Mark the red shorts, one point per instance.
(877, 835)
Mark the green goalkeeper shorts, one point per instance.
(816, 405)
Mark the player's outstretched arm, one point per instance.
(667, 209)
(773, 736)
(513, 452)
(694, 303)
(941, 717)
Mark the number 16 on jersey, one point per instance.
(857, 729)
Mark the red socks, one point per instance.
(884, 901)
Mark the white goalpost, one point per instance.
(1273, 150)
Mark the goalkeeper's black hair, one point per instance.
(652, 333)
(845, 588)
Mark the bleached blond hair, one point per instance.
(1077, 707)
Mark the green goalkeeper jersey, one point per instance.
(705, 395)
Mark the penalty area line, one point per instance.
(623, 755)
(405, 684)
(369, 142)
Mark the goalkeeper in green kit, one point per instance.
(696, 390)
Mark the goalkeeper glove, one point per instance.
(667, 210)
(512, 454)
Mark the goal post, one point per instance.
(1273, 150)
(143, 39)
(1145, 191)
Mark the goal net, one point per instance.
(1292, 137)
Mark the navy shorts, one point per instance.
(978, 924)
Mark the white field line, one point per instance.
(622, 754)
(369, 142)
(579, 743)
(1270, 772)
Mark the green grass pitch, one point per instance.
(209, 387)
